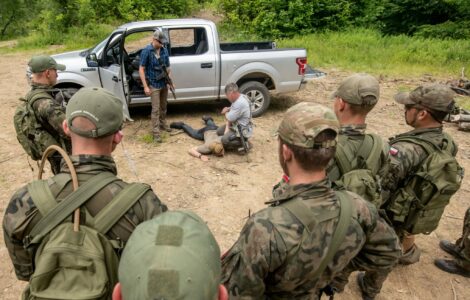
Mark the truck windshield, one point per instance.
(96, 49)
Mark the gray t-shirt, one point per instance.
(240, 112)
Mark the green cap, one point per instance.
(100, 107)
(359, 89)
(434, 96)
(304, 121)
(172, 256)
(41, 63)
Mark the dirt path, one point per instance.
(224, 190)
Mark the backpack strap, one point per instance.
(42, 196)
(65, 208)
(309, 220)
(370, 150)
(342, 161)
(305, 215)
(340, 231)
(118, 206)
(426, 144)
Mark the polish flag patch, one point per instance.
(393, 151)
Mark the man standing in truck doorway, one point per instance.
(154, 59)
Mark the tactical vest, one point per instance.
(417, 206)
(358, 171)
(31, 135)
(84, 263)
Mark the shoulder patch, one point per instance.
(393, 151)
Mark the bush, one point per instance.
(447, 30)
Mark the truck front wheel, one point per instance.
(259, 97)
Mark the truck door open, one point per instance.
(111, 69)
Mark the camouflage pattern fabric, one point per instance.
(354, 136)
(51, 115)
(405, 159)
(21, 214)
(464, 243)
(270, 259)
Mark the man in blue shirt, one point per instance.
(152, 60)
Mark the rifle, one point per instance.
(242, 138)
(166, 76)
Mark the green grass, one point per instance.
(75, 39)
(463, 102)
(364, 50)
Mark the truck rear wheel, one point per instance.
(259, 97)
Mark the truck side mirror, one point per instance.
(92, 60)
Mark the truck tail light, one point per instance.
(302, 63)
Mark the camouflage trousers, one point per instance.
(373, 280)
(464, 243)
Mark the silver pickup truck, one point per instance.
(200, 65)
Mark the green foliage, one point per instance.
(366, 50)
(279, 18)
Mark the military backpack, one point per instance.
(359, 171)
(418, 205)
(32, 136)
(76, 264)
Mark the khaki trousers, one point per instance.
(159, 106)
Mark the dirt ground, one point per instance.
(225, 190)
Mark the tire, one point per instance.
(259, 97)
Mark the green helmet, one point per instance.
(173, 256)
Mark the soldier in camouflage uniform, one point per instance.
(425, 110)
(277, 255)
(460, 250)
(353, 100)
(48, 112)
(93, 121)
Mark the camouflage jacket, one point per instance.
(405, 158)
(21, 214)
(50, 115)
(351, 137)
(270, 259)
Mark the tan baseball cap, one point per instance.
(434, 96)
(304, 121)
(359, 89)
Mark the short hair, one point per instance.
(360, 109)
(231, 87)
(314, 159)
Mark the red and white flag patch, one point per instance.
(393, 151)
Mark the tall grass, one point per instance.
(368, 51)
(76, 38)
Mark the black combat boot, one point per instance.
(206, 118)
(450, 248)
(450, 266)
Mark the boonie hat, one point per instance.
(41, 63)
(304, 121)
(172, 256)
(99, 106)
(160, 36)
(356, 88)
(434, 96)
